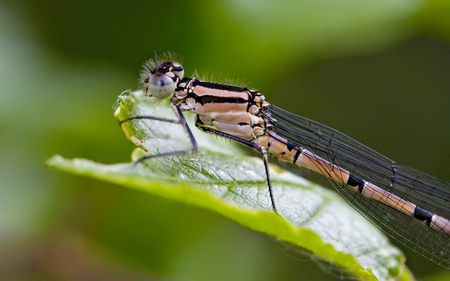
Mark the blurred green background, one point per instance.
(377, 70)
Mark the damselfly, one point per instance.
(411, 206)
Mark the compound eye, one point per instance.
(160, 86)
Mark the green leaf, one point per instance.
(221, 179)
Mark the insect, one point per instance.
(411, 206)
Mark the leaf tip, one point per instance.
(53, 161)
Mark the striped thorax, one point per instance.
(237, 111)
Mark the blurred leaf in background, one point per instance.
(376, 70)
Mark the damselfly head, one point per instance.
(170, 68)
(161, 80)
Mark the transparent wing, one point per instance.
(419, 188)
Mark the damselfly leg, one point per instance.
(181, 120)
(249, 144)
